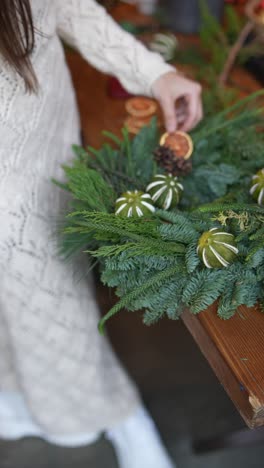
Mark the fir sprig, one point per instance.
(152, 283)
(140, 231)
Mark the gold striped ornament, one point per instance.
(217, 248)
(257, 187)
(165, 191)
(134, 204)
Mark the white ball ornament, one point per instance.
(257, 187)
(165, 44)
(217, 248)
(134, 204)
(165, 191)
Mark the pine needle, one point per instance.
(151, 283)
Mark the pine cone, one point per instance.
(167, 159)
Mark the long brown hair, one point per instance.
(17, 38)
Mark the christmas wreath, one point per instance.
(171, 230)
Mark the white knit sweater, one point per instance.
(50, 350)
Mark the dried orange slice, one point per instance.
(141, 107)
(134, 124)
(179, 142)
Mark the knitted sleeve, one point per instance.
(86, 26)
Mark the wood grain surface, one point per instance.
(234, 348)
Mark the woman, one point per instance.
(59, 378)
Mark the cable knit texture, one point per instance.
(87, 26)
(50, 349)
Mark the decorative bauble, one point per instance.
(178, 142)
(165, 44)
(134, 204)
(217, 248)
(167, 159)
(165, 191)
(257, 187)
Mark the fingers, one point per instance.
(195, 110)
(170, 118)
(192, 113)
(180, 100)
(200, 112)
(192, 116)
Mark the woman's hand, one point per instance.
(172, 87)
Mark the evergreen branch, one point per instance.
(80, 152)
(134, 249)
(241, 103)
(93, 164)
(113, 137)
(257, 247)
(212, 208)
(211, 25)
(152, 282)
(89, 187)
(61, 185)
(221, 125)
(220, 121)
(94, 151)
(110, 174)
(102, 222)
(125, 177)
(128, 150)
(259, 233)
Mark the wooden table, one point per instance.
(235, 351)
(233, 348)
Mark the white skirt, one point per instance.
(16, 423)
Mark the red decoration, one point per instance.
(260, 6)
(116, 90)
